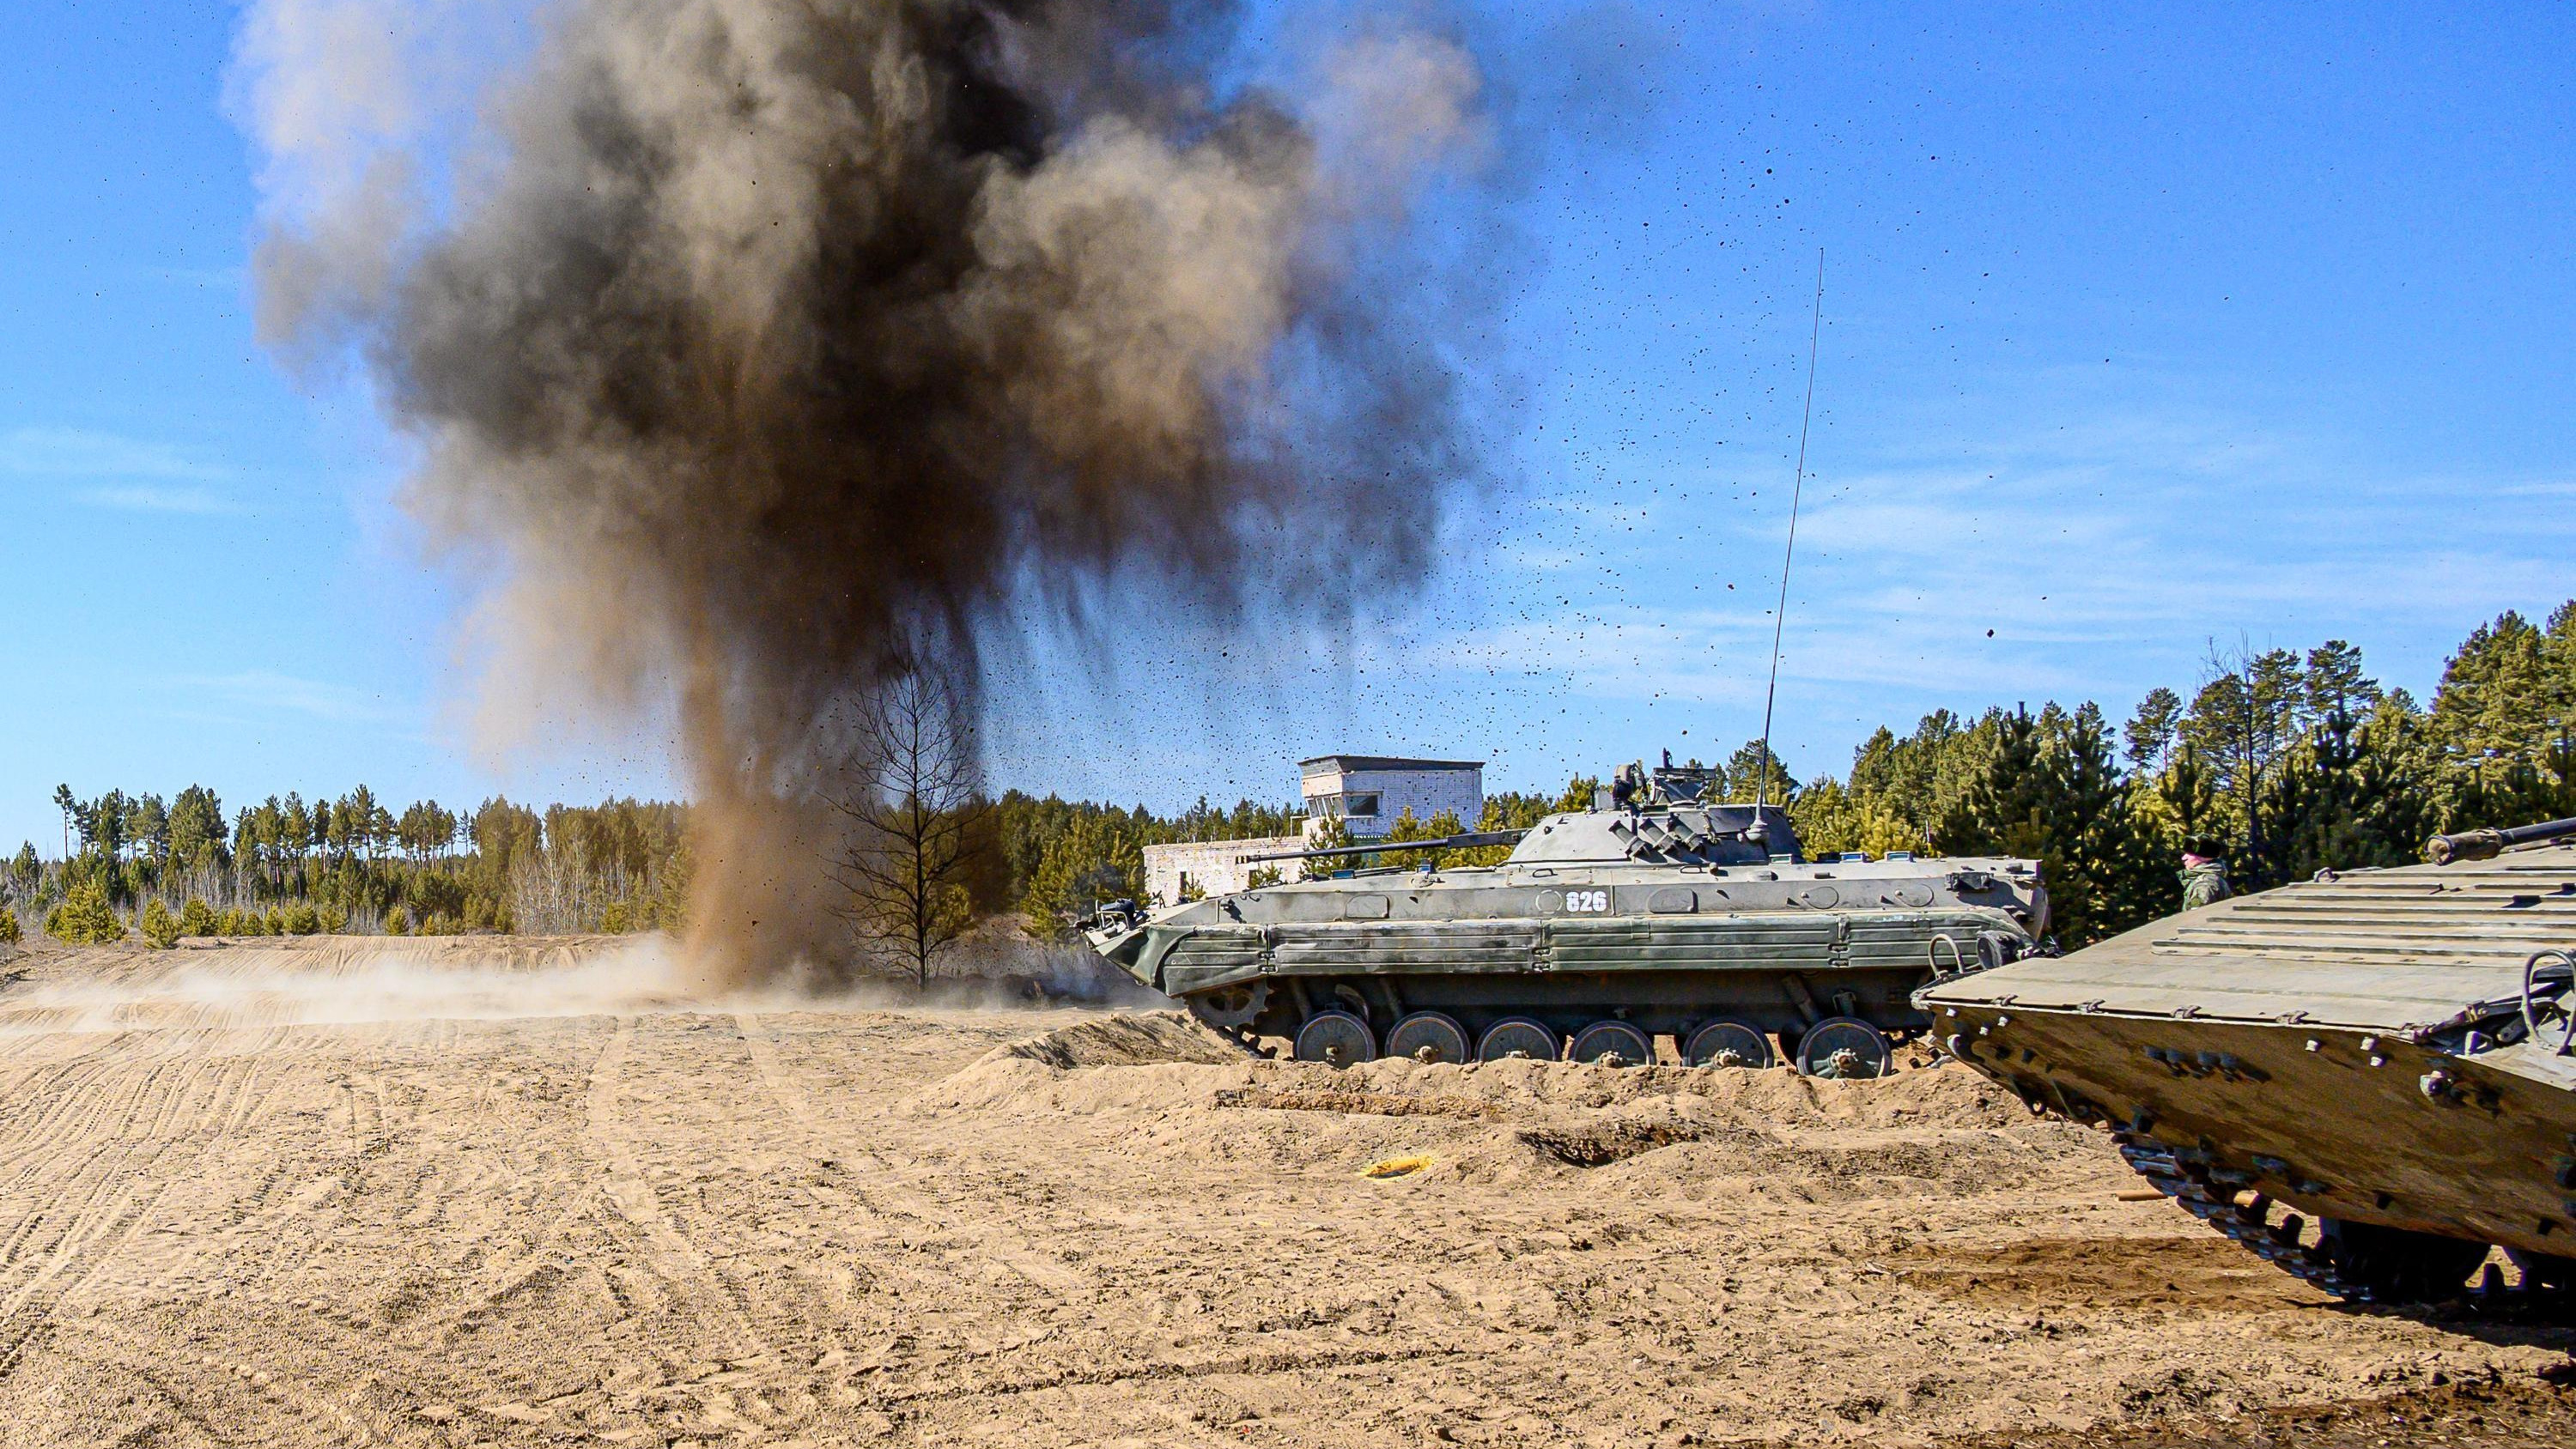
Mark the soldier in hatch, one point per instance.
(2204, 874)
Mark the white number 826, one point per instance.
(1587, 901)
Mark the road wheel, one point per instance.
(1517, 1036)
(1615, 1043)
(1845, 1048)
(1337, 1038)
(1428, 1036)
(1724, 1043)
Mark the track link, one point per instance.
(2361, 1273)
(2249, 1225)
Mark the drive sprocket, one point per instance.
(1230, 1009)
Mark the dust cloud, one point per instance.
(767, 350)
(338, 981)
(375, 980)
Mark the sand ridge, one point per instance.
(631, 1216)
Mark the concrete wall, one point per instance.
(1215, 867)
(1425, 792)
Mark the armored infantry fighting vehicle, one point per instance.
(1651, 914)
(2367, 1078)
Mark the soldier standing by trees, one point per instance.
(2204, 875)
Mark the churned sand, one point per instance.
(338, 1191)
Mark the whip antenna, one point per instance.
(1797, 490)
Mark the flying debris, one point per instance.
(774, 351)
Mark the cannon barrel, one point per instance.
(2487, 844)
(1445, 842)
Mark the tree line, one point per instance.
(352, 863)
(2279, 762)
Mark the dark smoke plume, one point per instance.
(781, 347)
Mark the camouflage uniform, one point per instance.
(2204, 883)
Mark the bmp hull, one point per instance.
(1605, 930)
(2365, 1077)
(2337, 1124)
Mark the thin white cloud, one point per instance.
(270, 691)
(2052, 560)
(157, 498)
(1720, 658)
(76, 453)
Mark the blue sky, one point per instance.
(2214, 326)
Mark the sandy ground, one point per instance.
(345, 1192)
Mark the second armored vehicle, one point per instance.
(2367, 1078)
(1652, 914)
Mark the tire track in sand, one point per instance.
(668, 1253)
(116, 1189)
(1059, 1281)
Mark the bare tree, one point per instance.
(919, 825)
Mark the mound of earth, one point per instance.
(1139, 1039)
(1193, 1067)
(1090, 1065)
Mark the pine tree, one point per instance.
(2558, 662)
(1921, 778)
(369, 823)
(64, 801)
(2118, 858)
(1332, 834)
(2242, 721)
(2051, 791)
(1407, 827)
(295, 830)
(196, 918)
(2334, 684)
(149, 825)
(84, 918)
(196, 829)
(2494, 706)
(1746, 771)
(160, 928)
(1831, 818)
(2189, 797)
(2000, 813)
(2149, 733)
(2358, 793)
(1097, 859)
